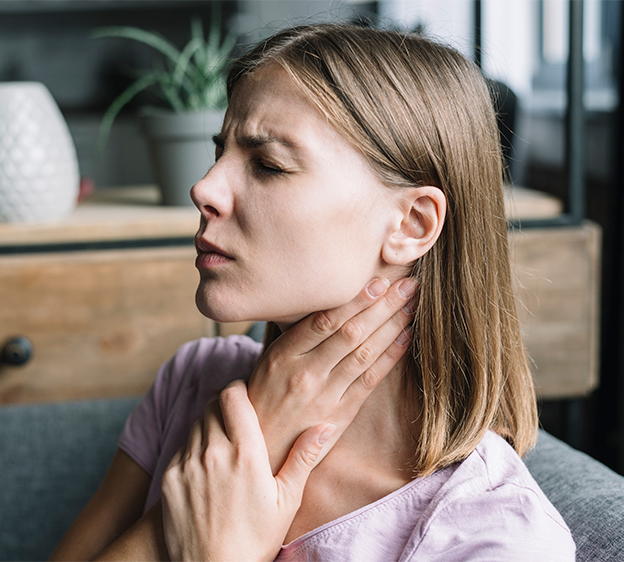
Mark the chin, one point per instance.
(224, 304)
(225, 310)
(216, 310)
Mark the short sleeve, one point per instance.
(194, 376)
(142, 434)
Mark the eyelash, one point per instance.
(263, 169)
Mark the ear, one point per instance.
(418, 224)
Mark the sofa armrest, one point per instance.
(589, 496)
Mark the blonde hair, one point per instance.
(421, 113)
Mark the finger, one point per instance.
(213, 428)
(317, 327)
(177, 458)
(302, 458)
(359, 328)
(365, 356)
(239, 417)
(195, 438)
(362, 386)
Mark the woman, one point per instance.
(383, 428)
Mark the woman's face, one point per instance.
(292, 216)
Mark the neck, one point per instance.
(370, 460)
(381, 431)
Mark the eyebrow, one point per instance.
(250, 141)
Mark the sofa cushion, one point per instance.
(589, 496)
(52, 459)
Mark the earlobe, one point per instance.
(420, 218)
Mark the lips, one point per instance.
(209, 255)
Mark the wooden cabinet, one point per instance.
(100, 322)
(101, 319)
(108, 294)
(557, 272)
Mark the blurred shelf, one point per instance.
(134, 213)
(522, 203)
(114, 214)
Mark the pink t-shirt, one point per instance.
(486, 508)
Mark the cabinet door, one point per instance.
(101, 323)
(558, 288)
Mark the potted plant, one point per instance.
(191, 82)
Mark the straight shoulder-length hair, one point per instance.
(421, 114)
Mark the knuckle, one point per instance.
(370, 379)
(300, 383)
(169, 478)
(364, 355)
(274, 363)
(308, 458)
(212, 458)
(167, 485)
(229, 395)
(322, 324)
(351, 332)
(245, 457)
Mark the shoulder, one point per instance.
(194, 376)
(490, 508)
(196, 354)
(210, 364)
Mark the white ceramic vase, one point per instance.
(39, 177)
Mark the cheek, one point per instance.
(337, 248)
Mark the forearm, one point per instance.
(143, 541)
(116, 506)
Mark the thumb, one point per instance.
(301, 460)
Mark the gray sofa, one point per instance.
(53, 456)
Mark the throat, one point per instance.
(370, 461)
(340, 486)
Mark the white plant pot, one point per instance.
(181, 150)
(39, 177)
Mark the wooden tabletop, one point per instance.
(123, 213)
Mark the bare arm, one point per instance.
(115, 508)
(143, 541)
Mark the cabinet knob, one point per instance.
(16, 351)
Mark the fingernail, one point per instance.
(409, 308)
(378, 287)
(327, 433)
(406, 288)
(402, 339)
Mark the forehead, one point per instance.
(268, 102)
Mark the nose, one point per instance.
(212, 195)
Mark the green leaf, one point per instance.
(182, 65)
(187, 80)
(118, 104)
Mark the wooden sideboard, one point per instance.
(107, 295)
(557, 273)
(102, 312)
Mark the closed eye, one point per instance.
(263, 168)
(260, 165)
